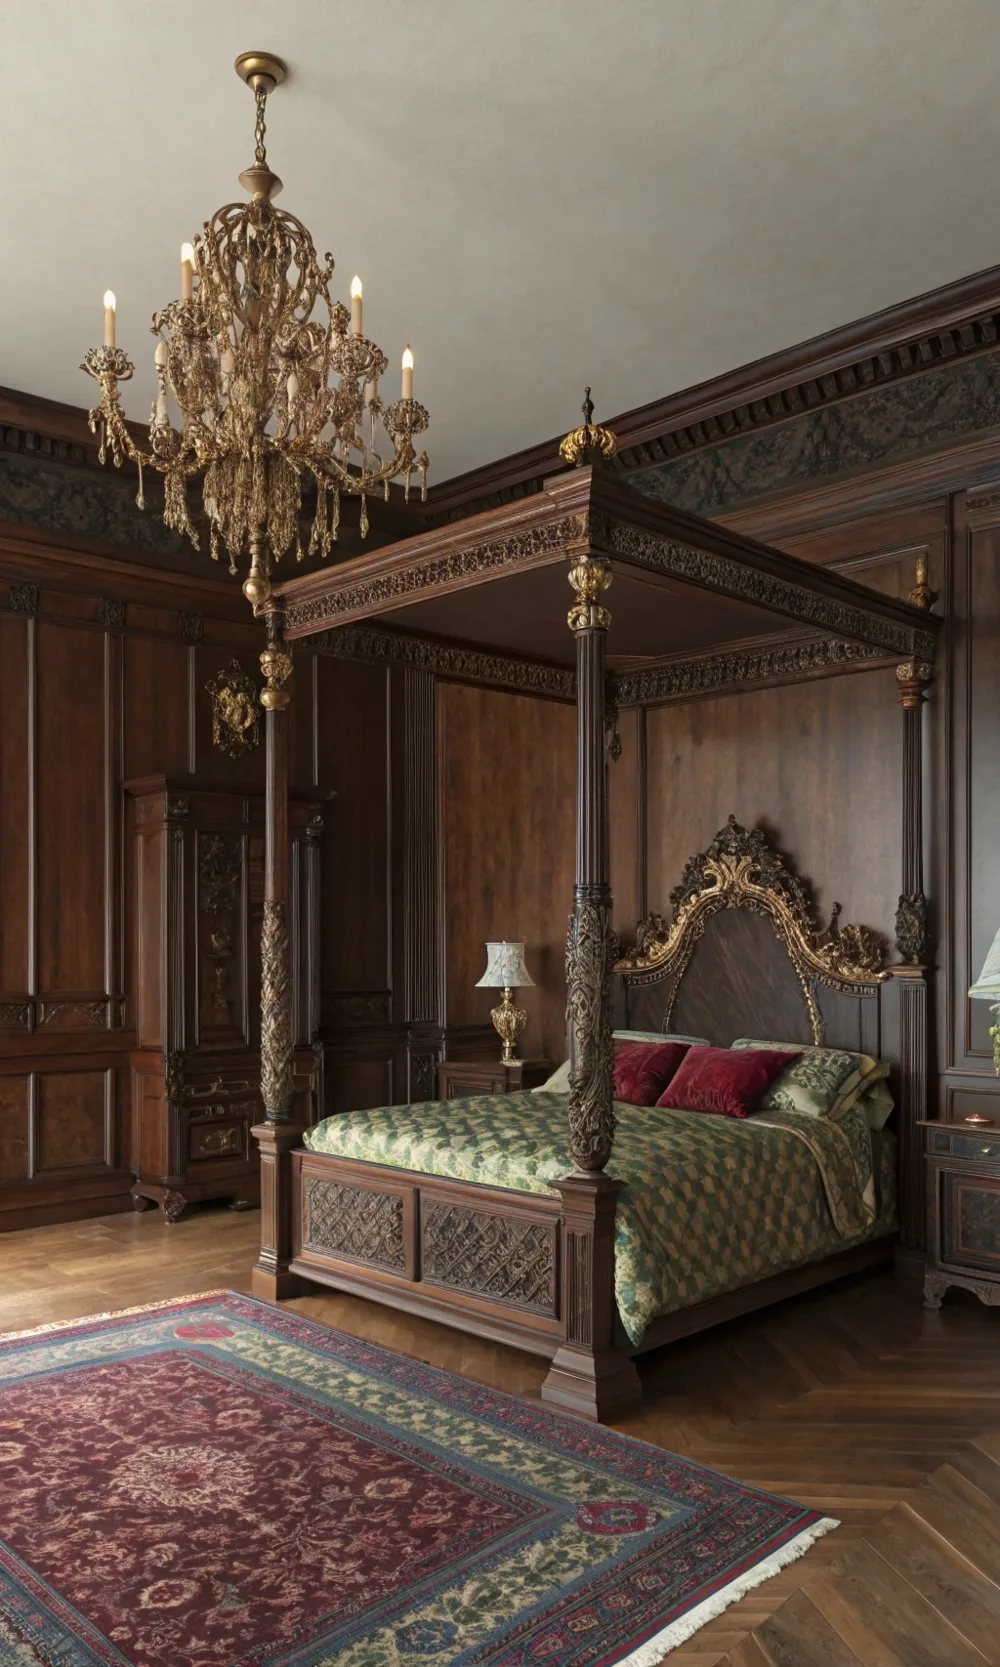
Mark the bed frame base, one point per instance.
(528, 1270)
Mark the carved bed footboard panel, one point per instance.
(488, 1260)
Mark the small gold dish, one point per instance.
(978, 1119)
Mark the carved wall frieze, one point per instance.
(494, 1256)
(911, 927)
(470, 665)
(767, 590)
(15, 1015)
(354, 1222)
(364, 1008)
(876, 426)
(173, 1077)
(220, 868)
(112, 613)
(741, 869)
(192, 627)
(24, 599)
(422, 1076)
(92, 1013)
(680, 679)
(235, 710)
(386, 590)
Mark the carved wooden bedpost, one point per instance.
(913, 678)
(277, 1135)
(588, 1374)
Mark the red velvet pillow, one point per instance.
(728, 1081)
(643, 1069)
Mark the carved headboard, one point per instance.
(743, 956)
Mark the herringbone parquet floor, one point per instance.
(846, 1400)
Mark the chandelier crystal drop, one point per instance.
(277, 386)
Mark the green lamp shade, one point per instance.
(987, 985)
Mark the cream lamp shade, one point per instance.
(987, 985)
(506, 971)
(505, 968)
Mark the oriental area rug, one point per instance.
(221, 1483)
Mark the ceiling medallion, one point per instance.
(235, 712)
(269, 395)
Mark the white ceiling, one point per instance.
(639, 194)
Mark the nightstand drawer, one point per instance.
(973, 1147)
(970, 1221)
(460, 1079)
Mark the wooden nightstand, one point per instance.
(459, 1079)
(963, 1208)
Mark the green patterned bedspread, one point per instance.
(709, 1203)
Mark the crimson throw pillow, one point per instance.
(643, 1069)
(718, 1080)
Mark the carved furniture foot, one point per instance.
(172, 1204)
(934, 1289)
(936, 1283)
(597, 1387)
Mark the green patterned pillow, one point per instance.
(821, 1082)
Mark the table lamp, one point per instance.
(506, 971)
(987, 988)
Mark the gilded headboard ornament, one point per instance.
(588, 444)
(741, 869)
(235, 710)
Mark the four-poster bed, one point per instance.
(695, 609)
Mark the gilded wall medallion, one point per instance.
(235, 710)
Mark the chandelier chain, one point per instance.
(259, 130)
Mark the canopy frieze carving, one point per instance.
(713, 570)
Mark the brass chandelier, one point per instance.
(271, 397)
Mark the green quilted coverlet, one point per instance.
(709, 1203)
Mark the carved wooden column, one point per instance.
(278, 1134)
(913, 678)
(588, 1374)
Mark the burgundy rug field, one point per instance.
(221, 1483)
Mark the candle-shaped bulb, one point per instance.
(187, 272)
(292, 386)
(407, 373)
(356, 290)
(109, 317)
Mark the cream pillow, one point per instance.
(659, 1036)
(557, 1083)
(821, 1082)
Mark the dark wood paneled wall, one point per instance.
(509, 817)
(818, 764)
(103, 673)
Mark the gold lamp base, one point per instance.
(508, 1022)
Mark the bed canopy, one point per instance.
(659, 606)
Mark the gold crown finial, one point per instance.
(588, 444)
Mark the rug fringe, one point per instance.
(113, 1314)
(678, 1632)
